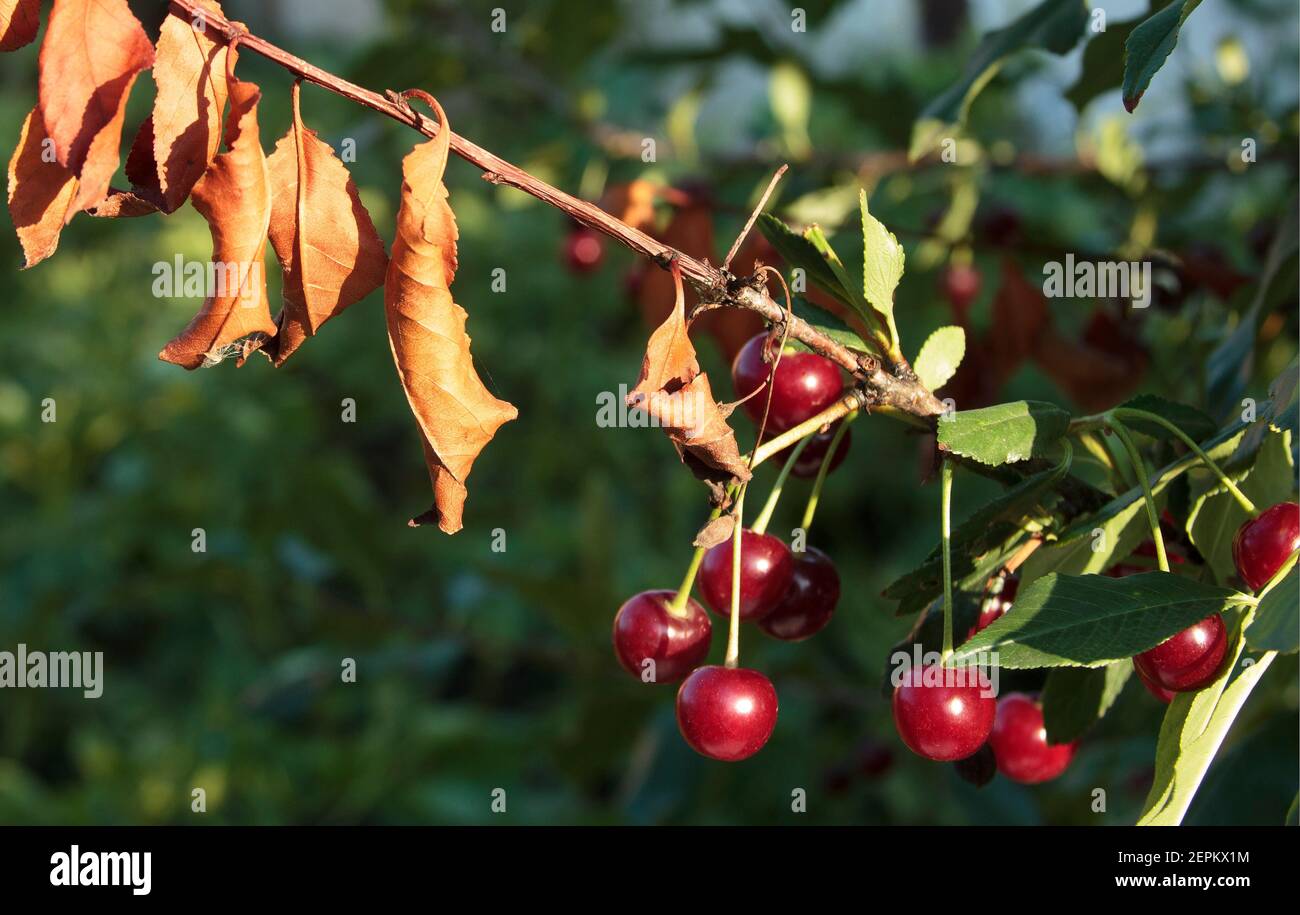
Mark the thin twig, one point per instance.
(904, 394)
(753, 217)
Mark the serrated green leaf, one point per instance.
(1215, 515)
(1193, 730)
(1004, 434)
(1103, 64)
(798, 251)
(828, 324)
(940, 355)
(1149, 46)
(1094, 542)
(1195, 423)
(1091, 620)
(882, 266)
(1053, 25)
(1277, 619)
(1279, 410)
(979, 542)
(1074, 698)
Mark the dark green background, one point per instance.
(480, 670)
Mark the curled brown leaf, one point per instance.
(234, 196)
(84, 86)
(676, 395)
(328, 248)
(189, 73)
(456, 413)
(19, 22)
(41, 192)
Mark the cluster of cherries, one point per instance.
(954, 722)
(728, 713)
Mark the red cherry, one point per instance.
(1019, 742)
(940, 722)
(996, 605)
(809, 601)
(1187, 661)
(583, 250)
(961, 284)
(726, 713)
(1263, 544)
(803, 386)
(989, 614)
(1164, 695)
(810, 459)
(645, 629)
(766, 569)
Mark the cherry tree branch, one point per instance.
(715, 285)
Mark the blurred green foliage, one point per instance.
(477, 669)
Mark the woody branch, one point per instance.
(880, 387)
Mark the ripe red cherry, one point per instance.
(996, 606)
(1019, 742)
(1187, 661)
(1264, 543)
(810, 600)
(766, 569)
(803, 386)
(645, 629)
(726, 713)
(941, 722)
(961, 284)
(810, 459)
(583, 250)
(1164, 695)
(989, 614)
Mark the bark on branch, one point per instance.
(879, 386)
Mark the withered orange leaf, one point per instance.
(190, 74)
(41, 192)
(19, 21)
(234, 196)
(91, 54)
(144, 197)
(456, 413)
(676, 395)
(328, 247)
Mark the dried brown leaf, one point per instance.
(19, 22)
(41, 192)
(190, 74)
(675, 393)
(234, 196)
(84, 86)
(144, 197)
(719, 530)
(327, 245)
(456, 413)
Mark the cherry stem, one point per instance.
(769, 507)
(1140, 469)
(677, 606)
(733, 632)
(1129, 413)
(946, 523)
(825, 468)
(841, 408)
(1278, 576)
